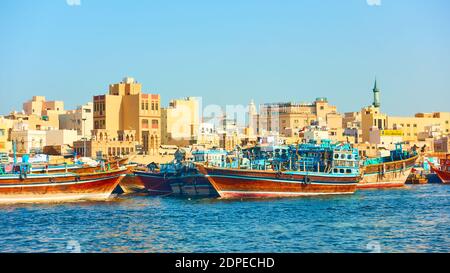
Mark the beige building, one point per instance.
(61, 137)
(124, 108)
(289, 118)
(81, 120)
(208, 136)
(371, 118)
(180, 122)
(47, 110)
(23, 121)
(29, 141)
(413, 126)
(6, 126)
(103, 145)
(442, 144)
(385, 138)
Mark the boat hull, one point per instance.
(59, 187)
(130, 184)
(443, 176)
(389, 175)
(193, 185)
(234, 183)
(152, 183)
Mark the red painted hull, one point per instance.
(234, 183)
(59, 187)
(152, 183)
(443, 175)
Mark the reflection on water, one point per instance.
(415, 219)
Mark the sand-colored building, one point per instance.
(180, 122)
(46, 110)
(102, 145)
(23, 121)
(420, 129)
(289, 118)
(413, 126)
(124, 108)
(81, 120)
(29, 141)
(371, 117)
(6, 126)
(208, 136)
(3, 138)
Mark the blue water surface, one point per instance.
(413, 219)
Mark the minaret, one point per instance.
(376, 95)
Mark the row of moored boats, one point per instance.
(306, 169)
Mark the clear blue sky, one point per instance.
(229, 51)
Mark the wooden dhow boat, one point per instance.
(443, 172)
(77, 167)
(177, 178)
(25, 187)
(310, 171)
(388, 172)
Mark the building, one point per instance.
(315, 133)
(371, 118)
(23, 121)
(126, 108)
(412, 127)
(102, 145)
(351, 120)
(6, 126)
(180, 122)
(385, 138)
(208, 136)
(3, 138)
(419, 128)
(289, 118)
(81, 120)
(29, 141)
(61, 137)
(442, 144)
(47, 110)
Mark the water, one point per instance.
(414, 219)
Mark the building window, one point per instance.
(156, 106)
(145, 123)
(143, 106)
(153, 106)
(146, 105)
(155, 124)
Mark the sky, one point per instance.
(229, 51)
